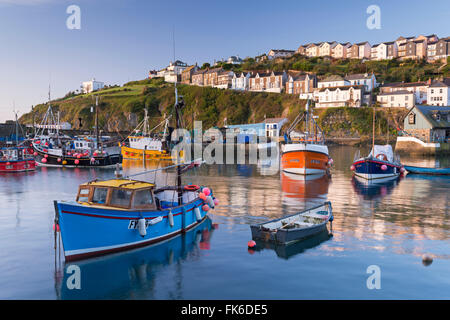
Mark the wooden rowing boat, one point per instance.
(294, 227)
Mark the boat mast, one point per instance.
(17, 130)
(178, 124)
(373, 133)
(145, 131)
(96, 122)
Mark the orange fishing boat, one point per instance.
(305, 152)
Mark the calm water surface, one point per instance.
(390, 225)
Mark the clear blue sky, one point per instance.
(121, 40)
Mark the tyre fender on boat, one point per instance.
(170, 218)
(210, 201)
(198, 215)
(141, 227)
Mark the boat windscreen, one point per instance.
(142, 198)
(120, 197)
(100, 195)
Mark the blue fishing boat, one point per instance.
(379, 164)
(430, 171)
(123, 213)
(140, 266)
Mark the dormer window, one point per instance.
(438, 117)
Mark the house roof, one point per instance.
(300, 77)
(359, 76)
(399, 92)
(282, 50)
(362, 43)
(188, 69)
(342, 88)
(200, 71)
(214, 70)
(275, 120)
(430, 112)
(333, 77)
(444, 83)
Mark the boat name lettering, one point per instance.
(134, 224)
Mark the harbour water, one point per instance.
(390, 225)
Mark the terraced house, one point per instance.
(438, 93)
(340, 50)
(241, 81)
(268, 81)
(419, 89)
(301, 84)
(198, 77)
(273, 54)
(224, 79)
(396, 99)
(343, 96)
(211, 77)
(186, 75)
(438, 50)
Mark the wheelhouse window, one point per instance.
(83, 194)
(142, 198)
(120, 198)
(100, 195)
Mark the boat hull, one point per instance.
(287, 236)
(304, 159)
(371, 169)
(93, 231)
(137, 154)
(430, 171)
(18, 165)
(83, 162)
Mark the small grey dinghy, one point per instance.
(295, 227)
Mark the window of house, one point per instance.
(432, 91)
(406, 98)
(412, 118)
(438, 117)
(392, 98)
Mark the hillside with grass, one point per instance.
(122, 108)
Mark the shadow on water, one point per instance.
(132, 274)
(291, 250)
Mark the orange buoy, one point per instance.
(251, 244)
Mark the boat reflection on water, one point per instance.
(373, 189)
(297, 188)
(291, 250)
(132, 274)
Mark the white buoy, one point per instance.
(142, 228)
(198, 215)
(210, 201)
(171, 218)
